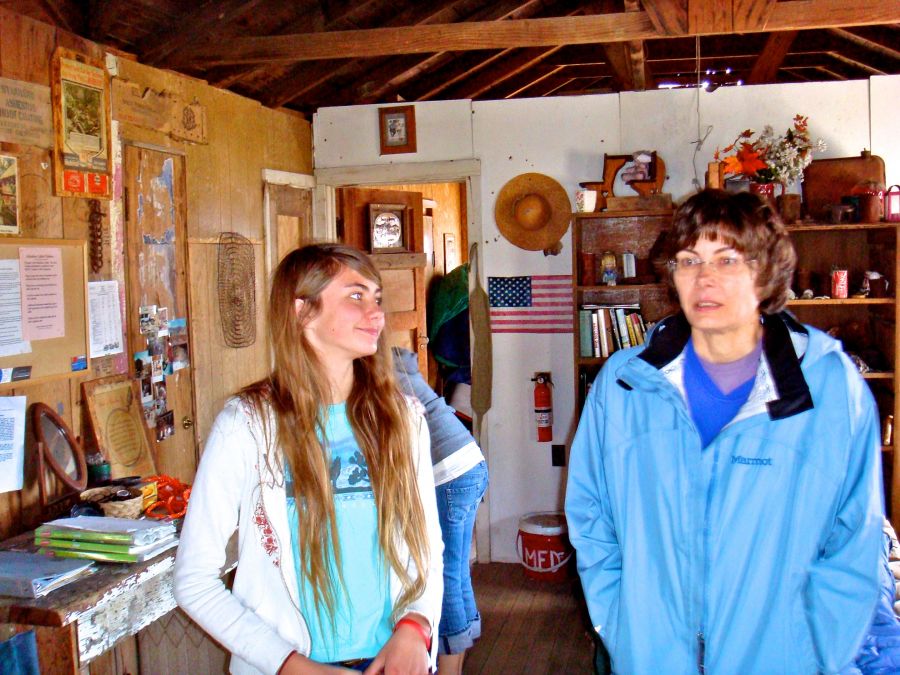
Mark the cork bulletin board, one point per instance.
(54, 313)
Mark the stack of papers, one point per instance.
(105, 539)
(31, 575)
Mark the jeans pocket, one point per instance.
(461, 495)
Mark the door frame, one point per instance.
(466, 171)
(301, 181)
(125, 143)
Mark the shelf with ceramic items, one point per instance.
(867, 324)
(636, 233)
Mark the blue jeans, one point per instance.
(457, 502)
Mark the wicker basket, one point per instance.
(129, 508)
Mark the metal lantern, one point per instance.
(892, 204)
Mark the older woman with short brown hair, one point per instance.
(724, 490)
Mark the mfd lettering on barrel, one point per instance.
(546, 559)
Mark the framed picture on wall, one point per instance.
(388, 228)
(398, 129)
(82, 152)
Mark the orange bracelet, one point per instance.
(419, 628)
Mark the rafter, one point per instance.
(207, 20)
(461, 70)
(751, 15)
(771, 57)
(491, 78)
(506, 11)
(306, 78)
(341, 16)
(669, 17)
(865, 43)
(869, 70)
(64, 13)
(428, 39)
(618, 27)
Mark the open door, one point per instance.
(158, 319)
(403, 274)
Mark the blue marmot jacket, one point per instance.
(756, 554)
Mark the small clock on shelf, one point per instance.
(388, 228)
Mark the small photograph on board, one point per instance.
(9, 192)
(150, 414)
(142, 365)
(162, 321)
(146, 389)
(160, 395)
(158, 357)
(178, 339)
(165, 425)
(149, 319)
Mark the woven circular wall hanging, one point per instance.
(237, 289)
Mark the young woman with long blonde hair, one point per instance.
(323, 467)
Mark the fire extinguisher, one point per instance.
(543, 407)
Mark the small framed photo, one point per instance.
(398, 129)
(388, 228)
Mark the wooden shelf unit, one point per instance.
(866, 326)
(616, 231)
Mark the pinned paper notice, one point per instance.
(43, 305)
(106, 318)
(12, 442)
(11, 342)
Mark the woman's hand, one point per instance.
(300, 665)
(404, 654)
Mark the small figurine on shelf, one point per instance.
(608, 264)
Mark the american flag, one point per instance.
(538, 304)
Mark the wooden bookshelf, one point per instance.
(866, 326)
(617, 232)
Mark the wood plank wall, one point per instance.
(224, 193)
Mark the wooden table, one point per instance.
(78, 622)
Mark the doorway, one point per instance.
(467, 172)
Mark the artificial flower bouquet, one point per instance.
(770, 158)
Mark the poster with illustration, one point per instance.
(9, 195)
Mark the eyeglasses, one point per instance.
(726, 265)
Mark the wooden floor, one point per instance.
(533, 627)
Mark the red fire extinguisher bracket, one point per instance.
(543, 406)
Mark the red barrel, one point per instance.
(543, 546)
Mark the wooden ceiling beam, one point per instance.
(853, 63)
(751, 15)
(635, 57)
(527, 81)
(339, 16)
(709, 16)
(299, 80)
(501, 71)
(493, 12)
(461, 73)
(65, 14)
(669, 17)
(765, 69)
(865, 43)
(425, 39)
(615, 27)
(209, 21)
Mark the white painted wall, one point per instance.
(349, 136)
(566, 138)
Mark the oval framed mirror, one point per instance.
(58, 450)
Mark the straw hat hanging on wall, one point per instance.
(533, 211)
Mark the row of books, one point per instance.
(105, 539)
(86, 539)
(604, 329)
